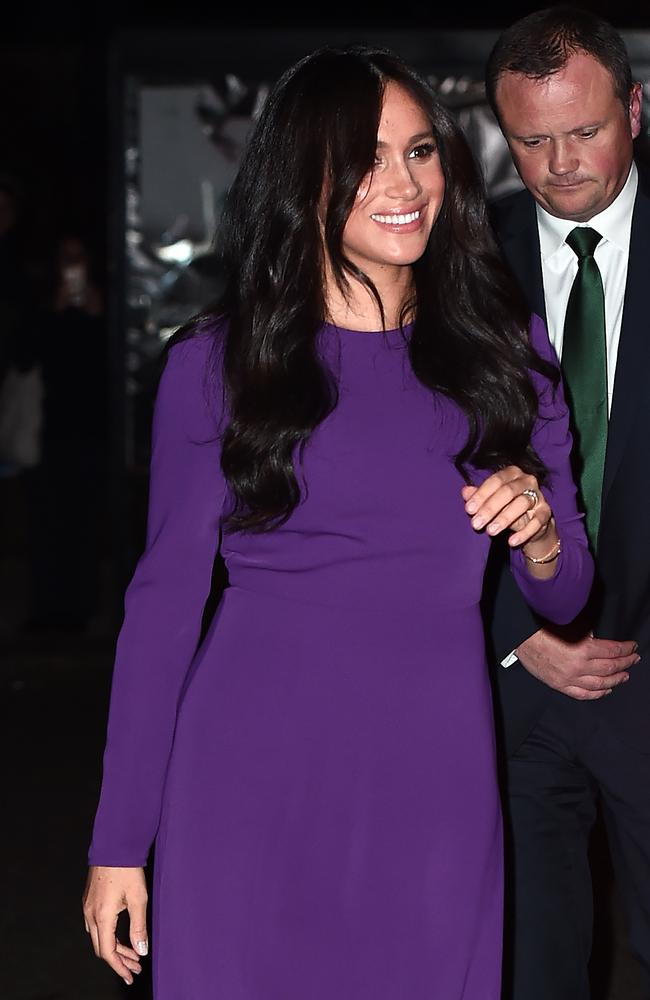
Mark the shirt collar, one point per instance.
(614, 223)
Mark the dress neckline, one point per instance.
(390, 332)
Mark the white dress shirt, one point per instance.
(560, 264)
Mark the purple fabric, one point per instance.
(319, 777)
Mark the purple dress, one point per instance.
(319, 776)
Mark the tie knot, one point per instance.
(583, 241)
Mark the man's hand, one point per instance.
(586, 669)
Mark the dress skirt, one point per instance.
(331, 827)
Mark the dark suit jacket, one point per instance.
(620, 604)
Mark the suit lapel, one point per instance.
(520, 241)
(633, 362)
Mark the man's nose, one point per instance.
(563, 158)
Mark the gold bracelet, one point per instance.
(549, 557)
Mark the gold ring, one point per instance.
(534, 495)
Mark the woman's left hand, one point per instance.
(510, 499)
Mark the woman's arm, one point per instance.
(549, 554)
(564, 594)
(163, 607)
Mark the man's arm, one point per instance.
(567, 659)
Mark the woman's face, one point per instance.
(398, 202)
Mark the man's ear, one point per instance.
(634, 109)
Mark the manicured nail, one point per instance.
(478, 522)
(142, 948)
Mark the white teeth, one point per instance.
(396, 220)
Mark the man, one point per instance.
(574, 705)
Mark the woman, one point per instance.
(354, 420)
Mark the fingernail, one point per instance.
(142, 948)
(478, 522)
(129, 982)
(470, 507)
(494, 527)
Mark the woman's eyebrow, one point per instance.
(414, 138)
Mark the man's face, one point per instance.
(570, 136)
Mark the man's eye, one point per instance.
(587, 133)
(532, 143)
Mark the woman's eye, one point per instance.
(424, 150)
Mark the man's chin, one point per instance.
(570, 202)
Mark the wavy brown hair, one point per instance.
(317, 132)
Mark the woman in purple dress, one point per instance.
(368, 405)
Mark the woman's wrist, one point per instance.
(545, 546)
(548, 557)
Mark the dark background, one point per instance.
(54, 99)
(55, 135)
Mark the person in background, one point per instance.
(19, 386)
(17, 278)
(69, 483)
(574, 700)
(365, 408)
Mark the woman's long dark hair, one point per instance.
(317, 133)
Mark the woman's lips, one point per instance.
(400, 222)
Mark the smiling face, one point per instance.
(570, 135)
(397, 203)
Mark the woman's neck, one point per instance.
(359, 310)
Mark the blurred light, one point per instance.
(180, 252)
(165, 332)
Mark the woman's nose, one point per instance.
(401, 183)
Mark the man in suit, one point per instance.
(573, 703)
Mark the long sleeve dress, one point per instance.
(318, 774)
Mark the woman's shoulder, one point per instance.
(193, 366)
(539, 338)
(548, 385)
(196, 351)
(198, 343)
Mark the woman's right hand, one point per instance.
(108, 892)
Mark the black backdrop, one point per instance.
(62, 72)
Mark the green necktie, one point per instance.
(584, 367)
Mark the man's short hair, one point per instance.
(541, 43)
